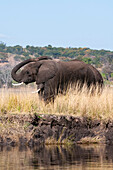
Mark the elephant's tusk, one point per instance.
(17, 84)
(36, 91)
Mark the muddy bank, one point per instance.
(31, 130)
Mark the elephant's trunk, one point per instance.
(16, 76)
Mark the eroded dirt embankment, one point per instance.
(32, 130)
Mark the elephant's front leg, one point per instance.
(49, 92)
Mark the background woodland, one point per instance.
(12, 55)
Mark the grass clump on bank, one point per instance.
(74, 102)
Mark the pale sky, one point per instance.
(60, 23)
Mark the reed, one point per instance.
(74, 102)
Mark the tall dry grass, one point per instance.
(74, 102)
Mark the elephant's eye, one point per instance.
(27, 72)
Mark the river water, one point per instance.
(83, 157)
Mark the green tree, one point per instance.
(18, 49)
(2, 46)
(87, 60)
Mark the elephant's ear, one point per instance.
(47, 71)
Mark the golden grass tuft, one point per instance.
(91, 140)
(74, 102)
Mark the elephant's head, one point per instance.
(37, 70)
(27, 74)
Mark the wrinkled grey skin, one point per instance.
(53, 76)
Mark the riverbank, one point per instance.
(35, 129)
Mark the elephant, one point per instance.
(53, 75)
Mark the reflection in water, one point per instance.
(93, 157)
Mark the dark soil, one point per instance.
(31, 130)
